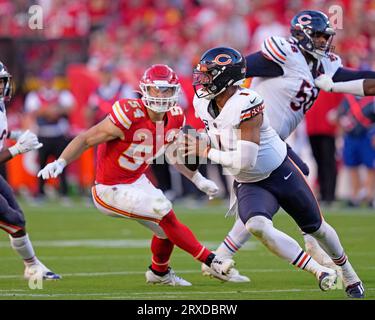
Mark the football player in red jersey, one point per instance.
(135, 132)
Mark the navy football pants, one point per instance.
(12, 219)
(286, 187)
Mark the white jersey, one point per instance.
(3, 125)
(290, 96)
(223, 129)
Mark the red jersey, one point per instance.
(124, 161)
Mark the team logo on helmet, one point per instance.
(304, 19)
(223, 59)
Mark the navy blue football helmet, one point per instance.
(218, 69)
(309, 24)
(6, 92)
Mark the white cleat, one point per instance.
(327, 279)
(170, 279)
(221, 266)
(232, 276)
(40, 270)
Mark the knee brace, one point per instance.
(257, 225)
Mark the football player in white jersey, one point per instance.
(288, 74)
(12, 219)
(243, 141)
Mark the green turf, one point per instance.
(105, 258)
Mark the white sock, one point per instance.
(24, 248)
(313, 248)
(282, 245)
(235, 239)
(330, 242)
(349, 276)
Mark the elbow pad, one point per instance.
(244, 157)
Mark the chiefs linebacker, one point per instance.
(135, 132)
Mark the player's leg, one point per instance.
(234, 240)
(299, 201)
(239, 235)
(142, 201)
(257, 206)
(160, 271)
(13, 222)
(311, 245)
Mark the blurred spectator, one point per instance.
(110, 89)
(357, 119)
(49, 109)
(321, 130)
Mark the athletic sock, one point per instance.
(183, 237)
(23, 246)
(235, 239)
(161, 251)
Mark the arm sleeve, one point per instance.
(257, 65)
(344, 74)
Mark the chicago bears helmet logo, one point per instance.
(304, 19)
(223, 59)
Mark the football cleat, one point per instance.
(355, 290)
(37, 270)
(170, 279)
(232, 276)
(327, 280)
(221, 266)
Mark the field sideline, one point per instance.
(106, 258)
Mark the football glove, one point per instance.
(26, 142)
(324, 82)
(205, 185)
(53, 169)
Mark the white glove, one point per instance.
(26, 142)
(15, 134)
(205, 185)
(324, 82)
(53, 169)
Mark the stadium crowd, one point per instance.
(83, 42)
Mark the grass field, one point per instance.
(106, 258)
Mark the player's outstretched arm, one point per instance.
(102, 132)
(357, 82)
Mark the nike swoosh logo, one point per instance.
(287, 177)
(252, 101)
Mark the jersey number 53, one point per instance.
(305, 97)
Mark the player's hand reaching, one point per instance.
(205, 185)
(26, 142)
(53, 169)
(324, 82)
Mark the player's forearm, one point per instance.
(5, 155)
(184, 171)
(177, 161)
(75, 148)
(244, 157)
(369, 87)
